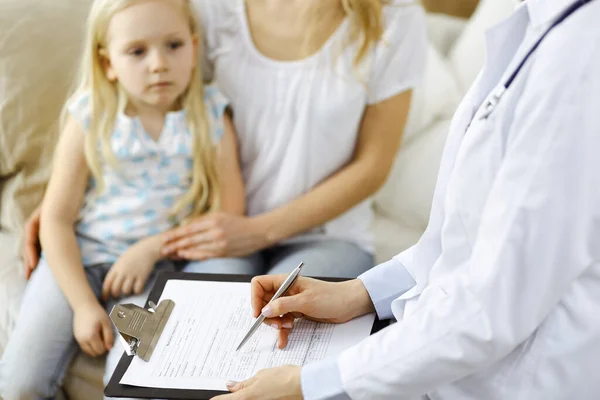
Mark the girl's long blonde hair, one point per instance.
(107, 99)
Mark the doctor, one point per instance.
(500, 298)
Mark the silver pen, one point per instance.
(289, 281)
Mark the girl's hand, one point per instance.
(131, 271)
(215, 235)
(268, 384)
(92, 329)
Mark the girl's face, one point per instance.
(151, 52)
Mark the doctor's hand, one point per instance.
(333, 302)
(268, 384)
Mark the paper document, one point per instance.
(197, 347)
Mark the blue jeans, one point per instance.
(323, 258)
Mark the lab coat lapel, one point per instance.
(501, 42)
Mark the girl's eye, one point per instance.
(137, 52)
(174, 45)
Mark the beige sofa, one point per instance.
(39, 47)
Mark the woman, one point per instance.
(320, 92)
(499, 299)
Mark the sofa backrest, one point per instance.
(39, 47)
(453, 66)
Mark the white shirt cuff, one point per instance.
(385, 283)
(321, 380)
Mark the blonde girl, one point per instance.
(144, 146)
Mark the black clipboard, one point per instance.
(115, 389)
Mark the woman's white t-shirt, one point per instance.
(298, 121)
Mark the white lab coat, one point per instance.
(507, 297)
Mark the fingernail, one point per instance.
(231, 384)
(287, 325)
(274, 326)
(267, 312)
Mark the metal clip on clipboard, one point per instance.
(140, 328)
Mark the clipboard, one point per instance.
(115, 389)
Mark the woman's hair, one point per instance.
(108, 98)
(366, 21)
(366, 17)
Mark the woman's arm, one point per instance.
(230, 175)
(60, 209)
(380, 135)
(223, 234)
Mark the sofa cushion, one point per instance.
(39, 50)
(443, 30)
(391, 237)
(12, 284)
(438, 95)
(406, 197)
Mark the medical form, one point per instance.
(197, 347)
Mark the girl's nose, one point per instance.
(158, 62)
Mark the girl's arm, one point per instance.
(60, 209)
(233, 199)
(380, 135)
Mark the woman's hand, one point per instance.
(215, 235)
(268, 384)
(31, 246)
(92, 329)
(311, 298)
(131, 271)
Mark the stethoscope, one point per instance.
(492, 102)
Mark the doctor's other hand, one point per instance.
(31, 245)
(314, 299)
(269, 384)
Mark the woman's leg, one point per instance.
(250, 265)
(324, 258)
(42, 343)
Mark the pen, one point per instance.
(289, 281)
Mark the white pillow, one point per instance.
(406, 197)
(443, 30)
(467, 56)
(435, 98)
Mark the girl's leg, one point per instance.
(42, 344)
(324, 258)
(249, 265)
(115, 354)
